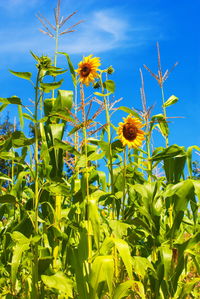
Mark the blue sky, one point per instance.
(123, 34)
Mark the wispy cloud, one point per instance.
(103, 30)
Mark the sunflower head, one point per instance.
(87, 69)
(129, 132)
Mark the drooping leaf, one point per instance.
(125, 288)
(161, 123)
(71, 68)
(172, 100)
(19, 139)
(65, 146)
(171, 151)
(109, 85)
(166, 257)
(59, 282)
(2, 107)
(102, 270)
(23, 75)
(63, 101)
(47, 87)
(27, 116)
(128, 110)
(141, 265)
(124, 252)
(93, 217)
(11, 100)
(22, 244)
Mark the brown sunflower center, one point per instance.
(130, 131)
(85, 71)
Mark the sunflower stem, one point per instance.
(110, 166)
(124, 182)
(89, 240)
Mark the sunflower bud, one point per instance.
(110, 70)
(44, 63)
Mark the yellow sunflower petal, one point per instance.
(130, 133)
(88, 69)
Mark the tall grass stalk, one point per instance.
(108, 129)
(84, 129)
(35, 290)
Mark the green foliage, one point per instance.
(112, 229)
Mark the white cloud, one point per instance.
(103, 30)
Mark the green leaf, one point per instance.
(71, 68)
(96, 156)
(21, 120)
(188, 287)
(106, 246)
(63, 101)
(189, 157)
(59, 282)
(35, 56)
(22, 244)
(172, 100)
(171, 151)
(7, 198)
(141, 266)
(3, 176)
(65, 146)
(124, 252)
(123, 289)
(52, 72)
(2, 107)
(23, 75)
(102, 94)
(102, 270)
(93, 216)
(128, 110)
(162, 124)
(47, 87)
(27, 116)
(109, 85)
(12, 100)
(19, 140)
(119, 229)
(166, 257)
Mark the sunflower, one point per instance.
(129, 132)
(87, 69)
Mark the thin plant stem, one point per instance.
(124, 182)
(89, 241)
(76, 135)
(110, 165)
(36, 198)
(56, 51)
(164, 112)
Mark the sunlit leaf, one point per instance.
(12, 100)
(109, 85)
(59, 282)
(102, 270)
(172, 100)
(47, 87)
(128, 110)
(23, 75)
